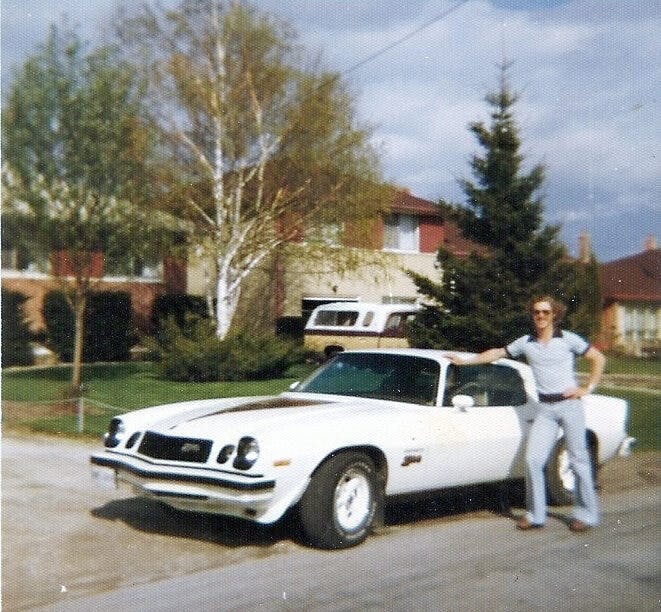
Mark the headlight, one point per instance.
(115, 434)
(247, 452)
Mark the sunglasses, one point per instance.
(542, 312)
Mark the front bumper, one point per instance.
(194, 488)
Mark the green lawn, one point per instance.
(110, 390)
(127, 386)
(113, 389)
(644, 416)
(626, 365)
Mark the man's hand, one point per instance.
(578, 392)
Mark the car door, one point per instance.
(481, 442)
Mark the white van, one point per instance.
(338, 326)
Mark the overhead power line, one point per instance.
(406, 37)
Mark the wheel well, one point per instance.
(591, 441)
(374, 453)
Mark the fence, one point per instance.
(15, 414)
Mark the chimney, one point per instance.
(584, 247)
(650, 243)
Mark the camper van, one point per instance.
(337, 326)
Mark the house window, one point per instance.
(21, 260)
(640, 323)
(327, 234)
(398, 299)
(401, 233)
(134, 267)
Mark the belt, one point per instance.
(551, 398)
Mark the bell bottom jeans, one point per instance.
(569, 415)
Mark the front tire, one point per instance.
(342, 502)
(560, 477)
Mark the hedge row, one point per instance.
(184, 344)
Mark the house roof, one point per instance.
(635, 278)
(453, 240)
(404, 202)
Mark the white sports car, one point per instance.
(366, 426)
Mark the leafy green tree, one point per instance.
(257, 150)
(481, 299)
(72, 153)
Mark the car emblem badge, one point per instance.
(190, 447)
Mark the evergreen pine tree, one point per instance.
(481, 299)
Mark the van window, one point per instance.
(396, 324)
(369, 317)
(342, 318)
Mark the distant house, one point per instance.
(408, 236)
(35, 279)
(631, 293)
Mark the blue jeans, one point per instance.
(569, 415)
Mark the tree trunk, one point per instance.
(79, 314)
(226, 303)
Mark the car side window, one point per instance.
(488, 385)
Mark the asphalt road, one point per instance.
(67, 546)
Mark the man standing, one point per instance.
(550, 352)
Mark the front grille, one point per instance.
(190, 450)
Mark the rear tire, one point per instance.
(342, 502)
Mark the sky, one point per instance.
(587, 73)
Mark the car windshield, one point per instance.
(403, 378)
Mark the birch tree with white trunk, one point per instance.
(257, 151)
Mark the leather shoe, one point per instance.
(524, 524)
(578, 526)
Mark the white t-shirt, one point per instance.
(552, 363)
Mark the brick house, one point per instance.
(409, 236)
(631, 294)
(35, 281)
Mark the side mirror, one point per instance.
(463, 402)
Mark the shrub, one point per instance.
(192, 352)
(108, 331)
(16, 349)
(60, 324)
(187, 353)
(178, 307)
(248, 356)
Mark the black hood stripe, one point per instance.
(267, 404)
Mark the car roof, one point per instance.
(436, 354)
(369, 306)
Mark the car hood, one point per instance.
(253, 416)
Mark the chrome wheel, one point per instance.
(353, 500)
